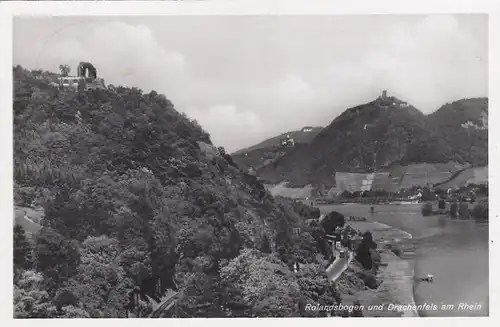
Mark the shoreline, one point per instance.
(397, 277)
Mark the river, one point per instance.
(454, 251)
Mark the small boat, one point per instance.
(428, 278)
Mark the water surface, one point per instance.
(454, 251)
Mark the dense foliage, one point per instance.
(333, 220)
(463, 126)
(23, 250)
(304, 210)
(137, 201)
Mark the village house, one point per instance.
(287, 142)
(307, 129)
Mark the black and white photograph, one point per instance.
(260, 165)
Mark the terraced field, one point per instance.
(422, 174)
(475, 175)
(444, 174)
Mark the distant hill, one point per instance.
(383, 134)
(269, 150)
(463, 126)
(305, 135)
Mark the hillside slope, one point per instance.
(270, 150)
(473, 175)
(463, 125)
(137, 200)
(383, 134)
(367, 137)
(299, 137)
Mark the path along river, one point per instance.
(454, 251)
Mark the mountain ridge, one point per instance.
(384, 133)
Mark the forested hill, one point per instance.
(385, 133)
(269, 150)
(300, 136)
(137, 200)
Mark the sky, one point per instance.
(247, 78)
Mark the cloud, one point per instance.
(251, 77)
(227, 125)
(124, 54)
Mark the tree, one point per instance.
(267, 285)
(363, 252)
(30, 299)
(56, 257)
(314, 287)
(427, 194)
(333, 220)
(266, 246)
(65, 70)
(442, 204)
(454, 210)
(480, 211)
(100, 284)
(22, 249)
(463, 210)
(427, 209)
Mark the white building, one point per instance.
(288, 142)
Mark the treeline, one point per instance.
(137, 201)
(461, 210)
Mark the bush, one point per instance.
(463, 211)
(333, 220)
(442, 204)
(369, 280)
(427, 194)
(427, 209)
(454, 209)
(480, 211)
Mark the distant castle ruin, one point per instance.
(388, 101)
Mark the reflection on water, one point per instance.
(454, 251)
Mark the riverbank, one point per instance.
(396, 276)
(455, 251)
